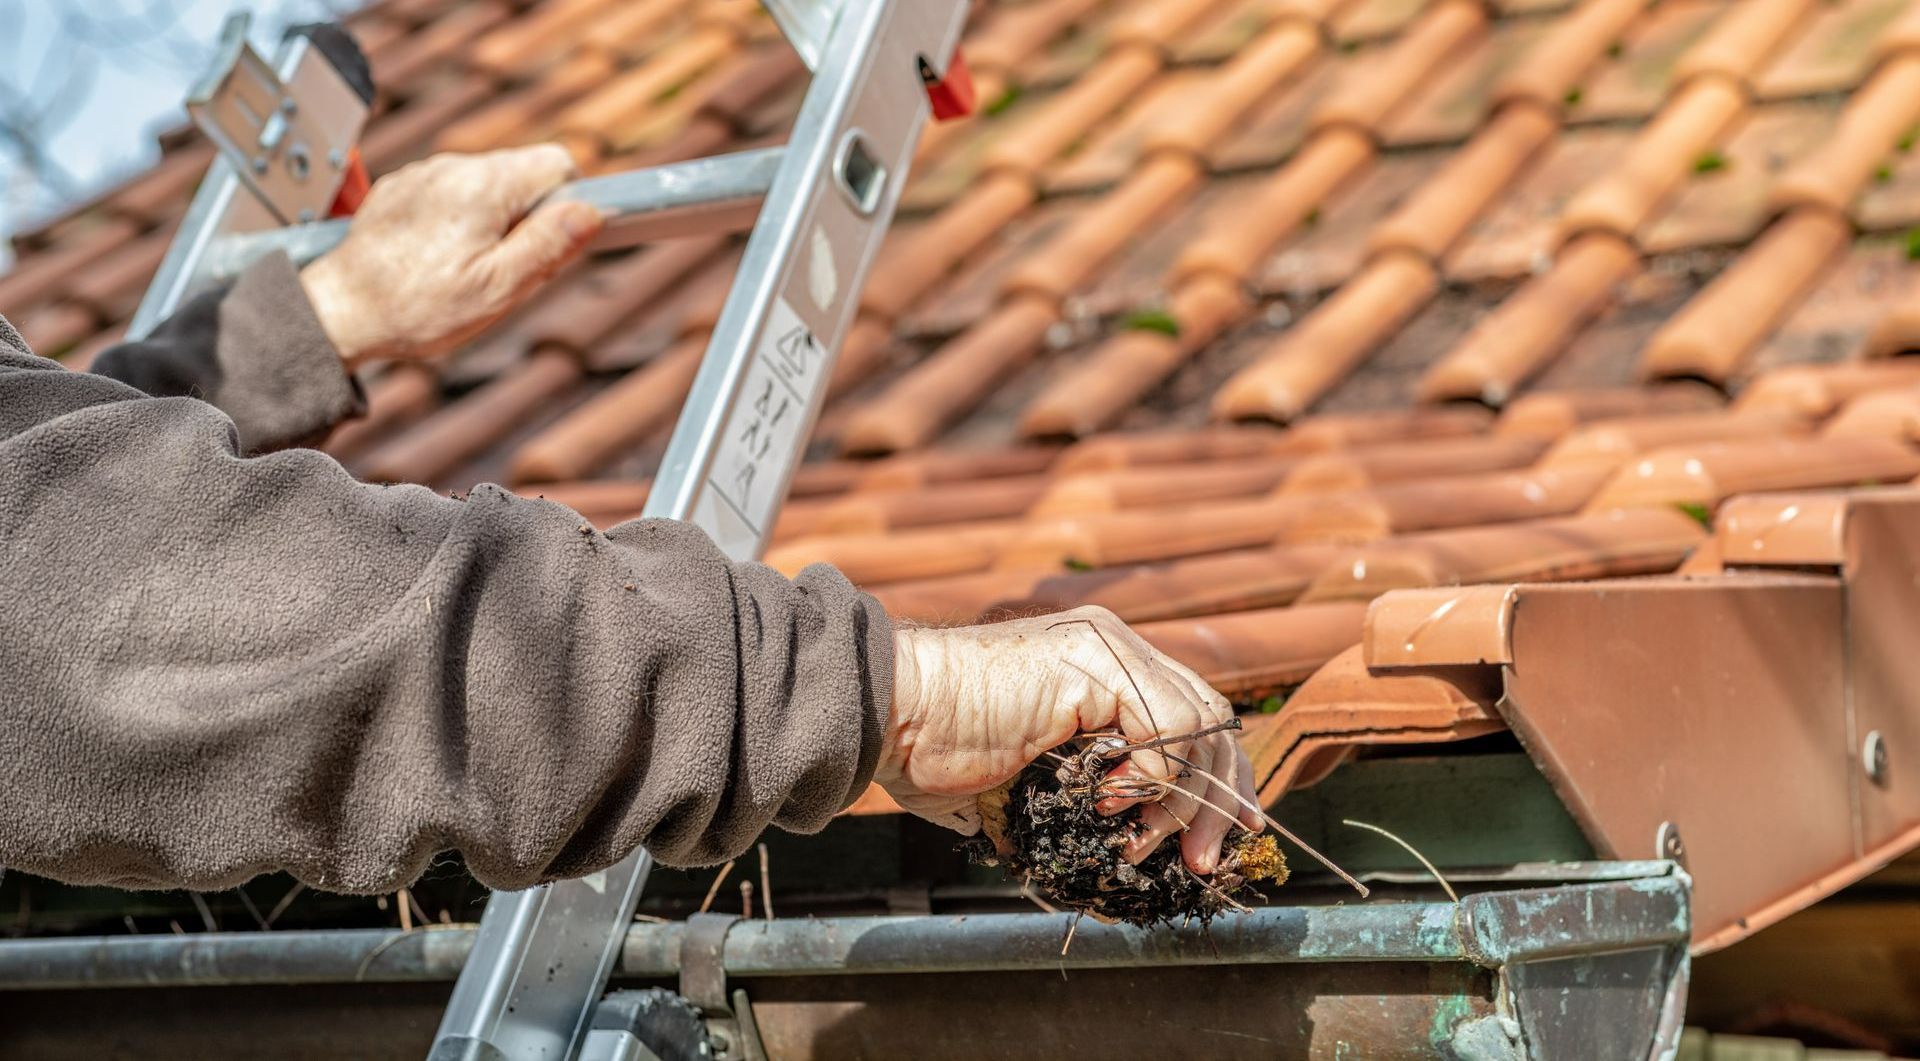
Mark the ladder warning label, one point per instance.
(763, 436)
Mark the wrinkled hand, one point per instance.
(973, 706)
(443, 248)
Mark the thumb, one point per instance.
(959, 813)
(541, 245)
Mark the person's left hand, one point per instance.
(443, 248)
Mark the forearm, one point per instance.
(219, 666)
(255, 350)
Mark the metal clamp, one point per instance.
(732, 1033)
(289, 141)
(703, 969)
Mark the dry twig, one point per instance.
(718, 880)
(1411, 850)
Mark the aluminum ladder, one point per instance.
(818, 207)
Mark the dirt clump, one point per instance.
(1042, 826)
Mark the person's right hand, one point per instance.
(443, 248)
(972, 706)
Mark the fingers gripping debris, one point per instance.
(1045, 828)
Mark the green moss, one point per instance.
(1709, 162)
(1005, 100)
(1074, 563)
(1913, 244)
(1883, 174)
(1574, 96)
(1615, 50)
(1152, 320)
(1272, 705)
(1312, 218)
(1906, 142)
(1700, 513)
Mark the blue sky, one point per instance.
(117, 70)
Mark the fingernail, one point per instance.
(581, 221)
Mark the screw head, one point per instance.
(1668, 843)
(1873, 756)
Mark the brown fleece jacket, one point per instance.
(214, 665)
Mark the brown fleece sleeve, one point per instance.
(256, 350)
(216, 666)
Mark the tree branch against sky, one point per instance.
(86, 84)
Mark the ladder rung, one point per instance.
(722, 193)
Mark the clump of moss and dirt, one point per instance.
(1045, 829)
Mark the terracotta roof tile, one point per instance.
(1550, 70)
(1738, 47)
(1518, 235)
(580, 317)
(1252, 74)
(1365, 101)
(1833, 51)
(1013, 34)
(612, 422)
(1121, 371)
(1610, 443)
(425, 453)
(45, 273)
(397, 68)
(1896, 331)
(1891, 414)
(941, 388)
(516, 117)
(1272, 132)
(406, 133)
(1819, 390)
(1712, 337)
(1608, 545)
(1345, 705)
(1333, 241)
(1873, 121)
(1204, 585)
(1234, 247)
(114, 285)
(1329, 342)
(1723, 201)
(1658, 161)
(1551, 414)
(56, 328)
(1108, 155)
(1708, 473)
(1639, 68)
(1393, 462)
(1068, 260)
(1515, 341)
(402, 395)
(1251, 654)
(1429, 221)
(1458, 96)
(609, 113)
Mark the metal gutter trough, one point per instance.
(1595, 968)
